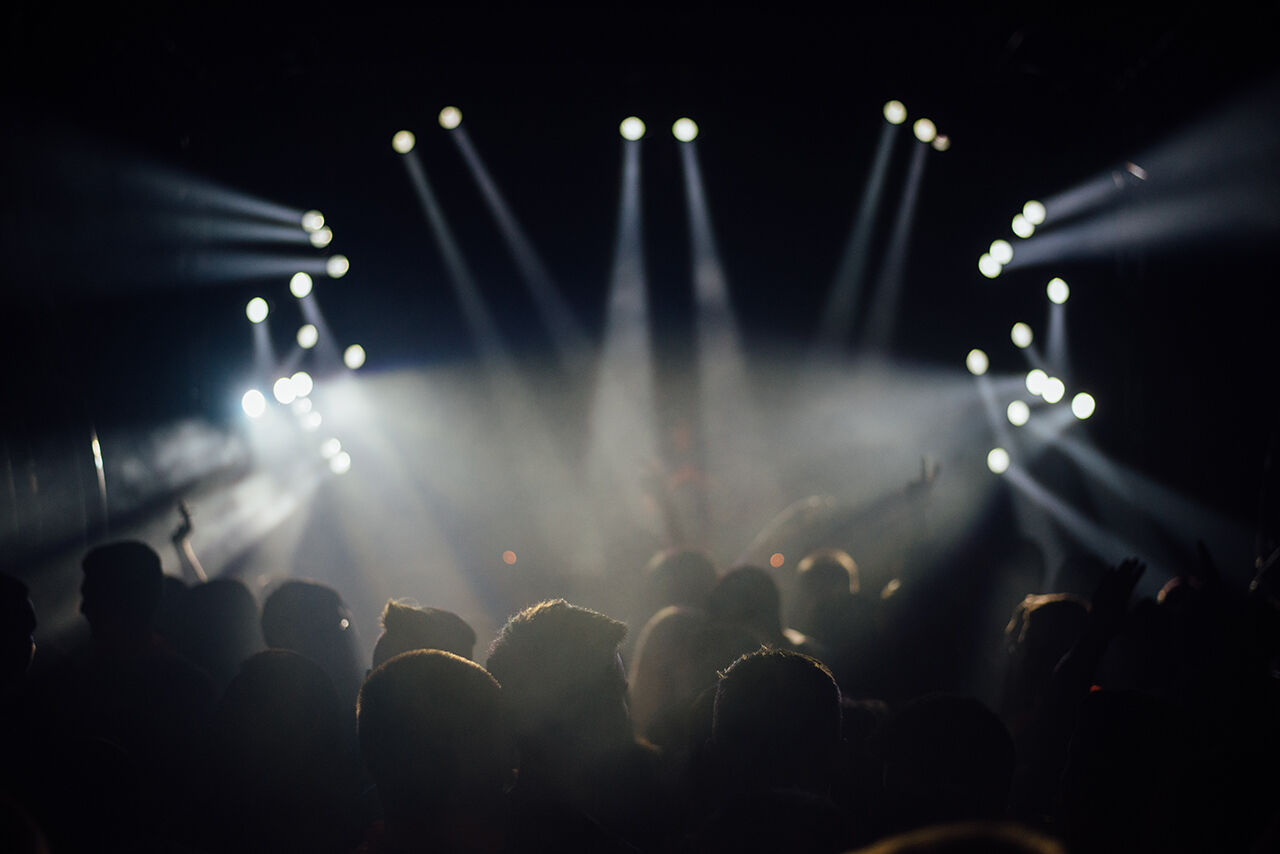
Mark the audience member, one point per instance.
(406, 627)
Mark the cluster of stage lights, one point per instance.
(632, 129)
(991, 263)
(895, 113)
(295, 390)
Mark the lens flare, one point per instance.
(340, 463)
(330, 448)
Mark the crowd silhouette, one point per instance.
(758, 711)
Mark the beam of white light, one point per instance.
(264, 352)
(1056, 350)
(180, 190)
(205, 229)
(235, 265)
(846, 286)
(567, 335)
(883, 314)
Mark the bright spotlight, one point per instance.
(311, 422)
(1036, 380)
(1021, 335)
(353, 356)
(337, 266)
(301, 407)
(1018, 413)
(308, 335)
(450, 118)
(1002, 251)
(322, 237)
(1082, 405)
(977, 362)
(302, 384)
(329, 448)
(1034, 212)
(1054, 389)
(989, 266)
(403, 141)
(941, 142)
(312, 221)
(1022, 226)
(257, 310)
(283, 390)
(300, 285)
(895, 113)
(685, 130)
(924, 130)
(1057, 291)
(254, 403)
(998, 460)
(340, 463)
(631, 128)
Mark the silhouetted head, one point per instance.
(749, 598)
(826, 573)
(679, 577)
(432, 733)
(1044, 627)
(122, 588)
(562, 677)
(968, 838)
(405, 628)
(17, 629)
(777, 721)
(216, 625)
(310, 618)
(947, 758)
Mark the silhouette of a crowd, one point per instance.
(199, 722)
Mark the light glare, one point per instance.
(283, 391)
(311, 422)
(1023, 227)
(1036, 380)
(1034, 212)
(301, 407)
(631, 128)
(254, 403)
(941, 142)
(1018, 413)
(895, 113)
(312, 221)
(685, 130)
(353, 357)
(308, 335)
(322, 237)
(998, 460)
(257, 310)
(329, 448)
(337, 266)
(1021, 335)
(977, 362)
(300, 285)
(1058, 291)
(403, 141)
(1054, 389)
(1082, 405)
(989, 266)
(450, 118)
(1002, 251)
(302, 384)
(924, 130)
(340, 463)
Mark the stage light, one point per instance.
(1021, 335)
(337, 266)
(941, 142)
(777, 559)
(998, 460)
(308, 335)
(254, 403)
(924, 130)
(1023, 227)
(340, 463)
(895, 113)
(631, 128)
(312, 221)
(1057, 291)
(1136, 171)
(322, 237)
(989, 266)
(1082, 405)
(977, 362)
(1034, 212)
(353, 356)
(301, 407)
(450, 118)
(312, 422)
(257, 310)
(685, 130)
(1036, 380)
(509, 557)
(1054, 389)
(300, 285)
(329, 448)
(283, 390)
(302, 384)
(403, 141)
(1018, 413)
(1002, 251)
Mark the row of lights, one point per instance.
(632, 128)
(895, 113)
(991, 263)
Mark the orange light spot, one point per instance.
(777, 560)
(508, 557)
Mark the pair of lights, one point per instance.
(992, 262)
(312, 221)
(1050, 388)
(684, 129)
(321, 237)
(403, 141)
(288, 389)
